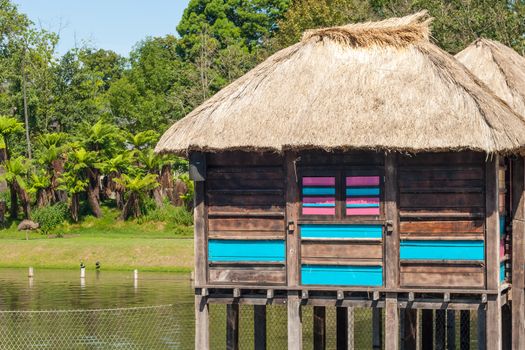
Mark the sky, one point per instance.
(108, 24)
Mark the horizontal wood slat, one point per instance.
(445, 276)
(248, 275)
(341, 250)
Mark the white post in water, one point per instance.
(31, 272)
(135, 278)
(82, 272)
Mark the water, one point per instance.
(106, 310)
(63, 289)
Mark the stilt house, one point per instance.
(362, 166)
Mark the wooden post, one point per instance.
(482, 328)
(464, 330)
(295, 326)
(292, 216)
(440, 335)
(202, 323)
(410, 329)
(341, 328)
(350, 331)
(199, 224)
(319, 325)
(232, 327)
(492, 243)
(391, 241)
(518, 254)
(427, 321)
(377, 328)
(451, 330)
(391, 322)
(259, 327)
(506, 330)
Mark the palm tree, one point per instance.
(113, 168)
(8, 127)
(41, 186)
(51, 149)
(16, 170)
(79, 171)
(73, 185)
(135, 189)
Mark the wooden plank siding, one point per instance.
(442, 226)
(246, 218)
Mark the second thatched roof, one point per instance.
(500, 67)
(375, 86)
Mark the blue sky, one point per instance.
(109, 24)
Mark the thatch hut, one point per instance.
(499, 67)
(362, 166)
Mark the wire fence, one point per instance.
(172, 327)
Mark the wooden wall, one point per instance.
(245, 208)
(339, 223)
(442, 220)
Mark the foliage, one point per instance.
(188, 197)
(50, 217)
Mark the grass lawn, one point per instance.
(118, 245)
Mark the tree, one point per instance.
(16, 169)
(77, 179)
(41, 187)
(8, 128)
(50, 156)
(135, 188)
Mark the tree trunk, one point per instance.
(26, 113)
(166, 183)
(24, 200)
(13, 211)
(93, 193)
(74, 208)
(56, 171)
(157, 195)
(42, 198)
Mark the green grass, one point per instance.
(149, 244)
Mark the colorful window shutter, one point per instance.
(362, 195)
(318, 195)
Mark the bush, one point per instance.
(170, 214)
(50, 217)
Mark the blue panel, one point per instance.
(319, 205)
(442, 250)
(502, 225)
(370, 276)
(246, 250)
(363, 205)
(318, 191)
(341, 231)
(362, 191)
(502, 272)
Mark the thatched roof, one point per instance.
(500, 67)
(375, 86)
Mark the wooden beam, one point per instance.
(392, 232)
(295, 326)
(391, 322)
(451, 330)
(232, 327)
(427, 332)
(440, 335)
(202, 323)
(199, 228)
(341, 328)
(292, 217)
(410, 329)
(518, 253)
(377, 329)
(319, 326)
(259, 327)
(464, 330)
(492, 242)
